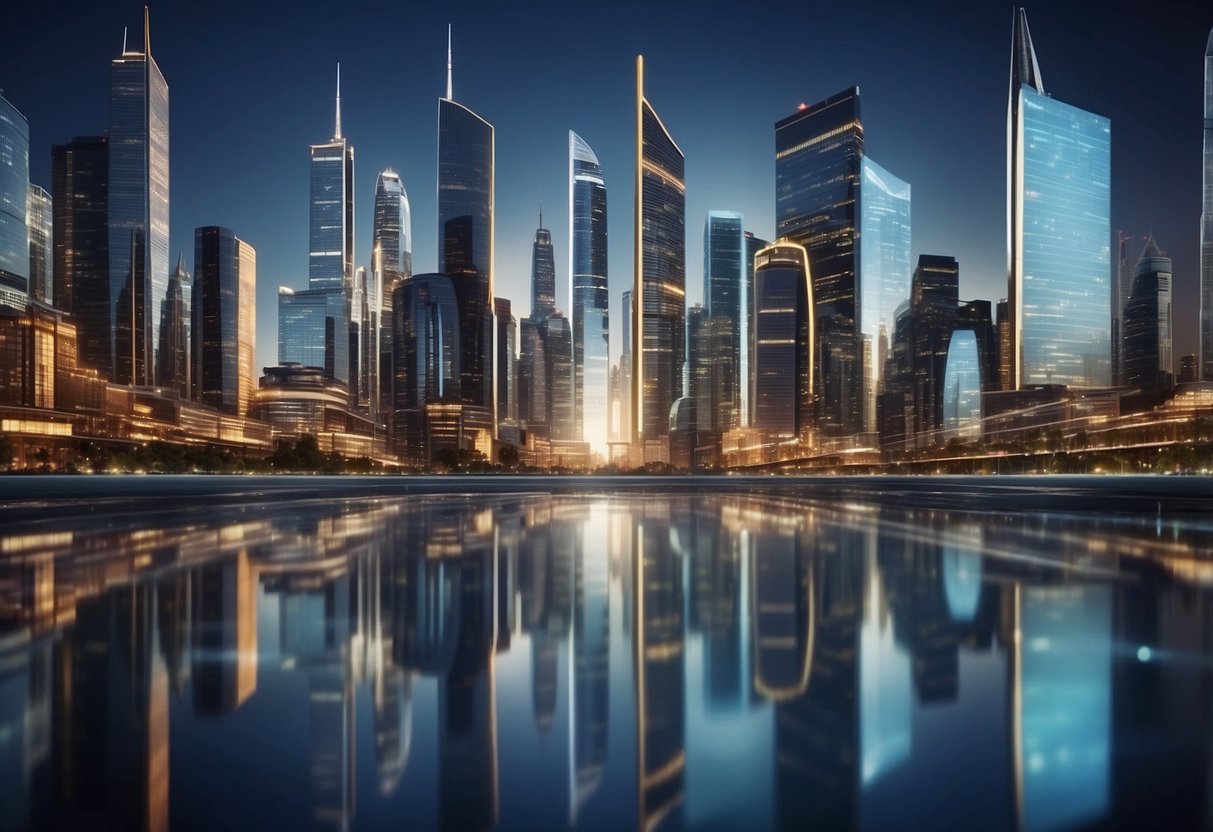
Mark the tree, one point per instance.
(8, 450)
(508, 456)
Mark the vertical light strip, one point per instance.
(638, 269)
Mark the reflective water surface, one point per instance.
(595, 662)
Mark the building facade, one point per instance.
(175, 371)
(1148, 361)
(589, 295)
(1205, 352)
(39, 219)
(224, 311)
(427, 363)
(727, 270)
(391, 263)
(14, 204)
(784, 339)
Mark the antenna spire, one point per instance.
(450, 95)
(541, 213)
(337, 129)
(147, 34)
(123, 40)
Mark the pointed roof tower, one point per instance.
(337, 127)
(1024, 69)
(450, 95)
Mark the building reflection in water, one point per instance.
(789, 665)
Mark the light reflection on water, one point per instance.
(593, 662)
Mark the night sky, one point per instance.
(252, 85)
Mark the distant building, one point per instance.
(313, 330)
(1187, 369)
(14, 200)
(543, 273)
(224, 311)
(175, 371)
(39, 213)
(588, 295)
(727, 270)
(962, 379)
(507, 343)
(784, 340)
(558, 352)
(1147, 323)
(426, 339)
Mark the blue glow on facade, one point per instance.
(962, 388)
(589, 295)
(14, 188)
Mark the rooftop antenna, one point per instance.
(147, 34)
(450, 95)
(337, 132)
(123, 40)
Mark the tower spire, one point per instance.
(337, 128)
(1024, 69)
(147, 34)
(450, 96)
(541, 213)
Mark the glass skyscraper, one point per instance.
(138, 219)
(39, 211)
(884, 273)
(425, 337)
(659, 290)
(507, 339)
(225, 314)
(79, 181)
(465, 237)
(784, 339)
(962, 388)
(726, 277)
(1206, 226)
(1148, 361)
(14, 199)
(589, 296)
(313, 329)
(543, 273)
(818, 155)
(391, 262)
(173, 353)
(1059, 226)
(331, 210)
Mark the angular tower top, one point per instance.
(1209, 46)
(147, 34)
(337, 127)
(1024, 69)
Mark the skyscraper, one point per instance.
(1148, 323)
(1206, 226)
(558, 352)
(39, 212)
(14, 198)
(173, 353)
(588, 295)
(543, 273)
(138, 198)
(1059, 231)
(726, 291)
(465, 235)
(507, 338)
(818, 156)
(391, 262)
(79, 182)
(784, 339)
(425, 321)
(659, 287)
(225, 318)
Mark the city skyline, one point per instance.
(959, 189)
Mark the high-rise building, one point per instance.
(727, 269)
(313, 330)
(659, 287)
(79, 180)
(138, 206)
(361, 346)
(391, 263)
(1206, 226)
(884, 273)
(14, 200)
(558, 353)
(589, 295)
(175, 370)
(745, 380)
(533, 379)
(507, 338)
(961, 400)
(1059, 231)
(1147, 323)
(621, 377)
(39, 218)
(818, 156)
(1187, 369)
(698, 384)
(784, 339)
(465, 236)
(425, 337)
(224, 311)
(543, 273)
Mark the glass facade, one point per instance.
(425, 323)
(962, 388)
(1060, 283)
(465, 238)
(1148, 323)
(314, 329)
(331, 216)
(507, 338)
(173, 353)
(138, 206)
(660, 285)
(543, 273)
(726, 290)
(818, 154)
(79, 180)
(589, 295)
(224, 312)
(784, 339)
(391, 262)
(14, 197)
(558, 352)
(1206, 226)
(39, 213)
(884, 273)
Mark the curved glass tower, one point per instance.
(224, 310)
(962, 388)
(391, 262)
(659, 296)
(588, 291)
(138, 211)
(14, 196)
(427, 370)
(1059, 170)
(1148, 322)
(784, 330)
(465, 237)
(726, 294)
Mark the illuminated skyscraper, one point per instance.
(14, 198)
(41, 262)
(138, 211)
(465, 236)
(425, 337)
(659, 287)
(784, 339)
(313, 329)
(225, 317)
(1059, 231)
(588, 294)
(173, 354)
(727, 270)
(1147, 323)
(543, 273)
(79, 178)
(391, 262)
(1206, 226)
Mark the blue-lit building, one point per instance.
(425, 337)
(138, 197)
(962, 388)
(784, 340)
(589, 296)
(14, 196)
(313, 329)
(391, 263)
(726, 296)
(1147, 322)
(331, 210)
(884, 273)
(224, 311)
(659, 289)
(1059, 227)
(465, 237)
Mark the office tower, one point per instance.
(784, 339)
(532, 377)
(1058, 193)
(391, 262)
(558, 353)
(818, 155)
(975, 316)
(79, 183)
(173, 353)
(745, 381)
(621, 378)
(465, 236)
(224, 311)
(884, 273)
(361, 366)
(138, 198)
(1187, 369)
(1206, 226)
(426, 341)
(588, 295)
(313, 330)
(507, 336)
(1005, 373)
(698, 382)
(14, 198)
(1148, 323)
(543, 273)
(727, 268)
(39, 213)
(659, 288)
(962, 377)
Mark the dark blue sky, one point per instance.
(251, 86)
